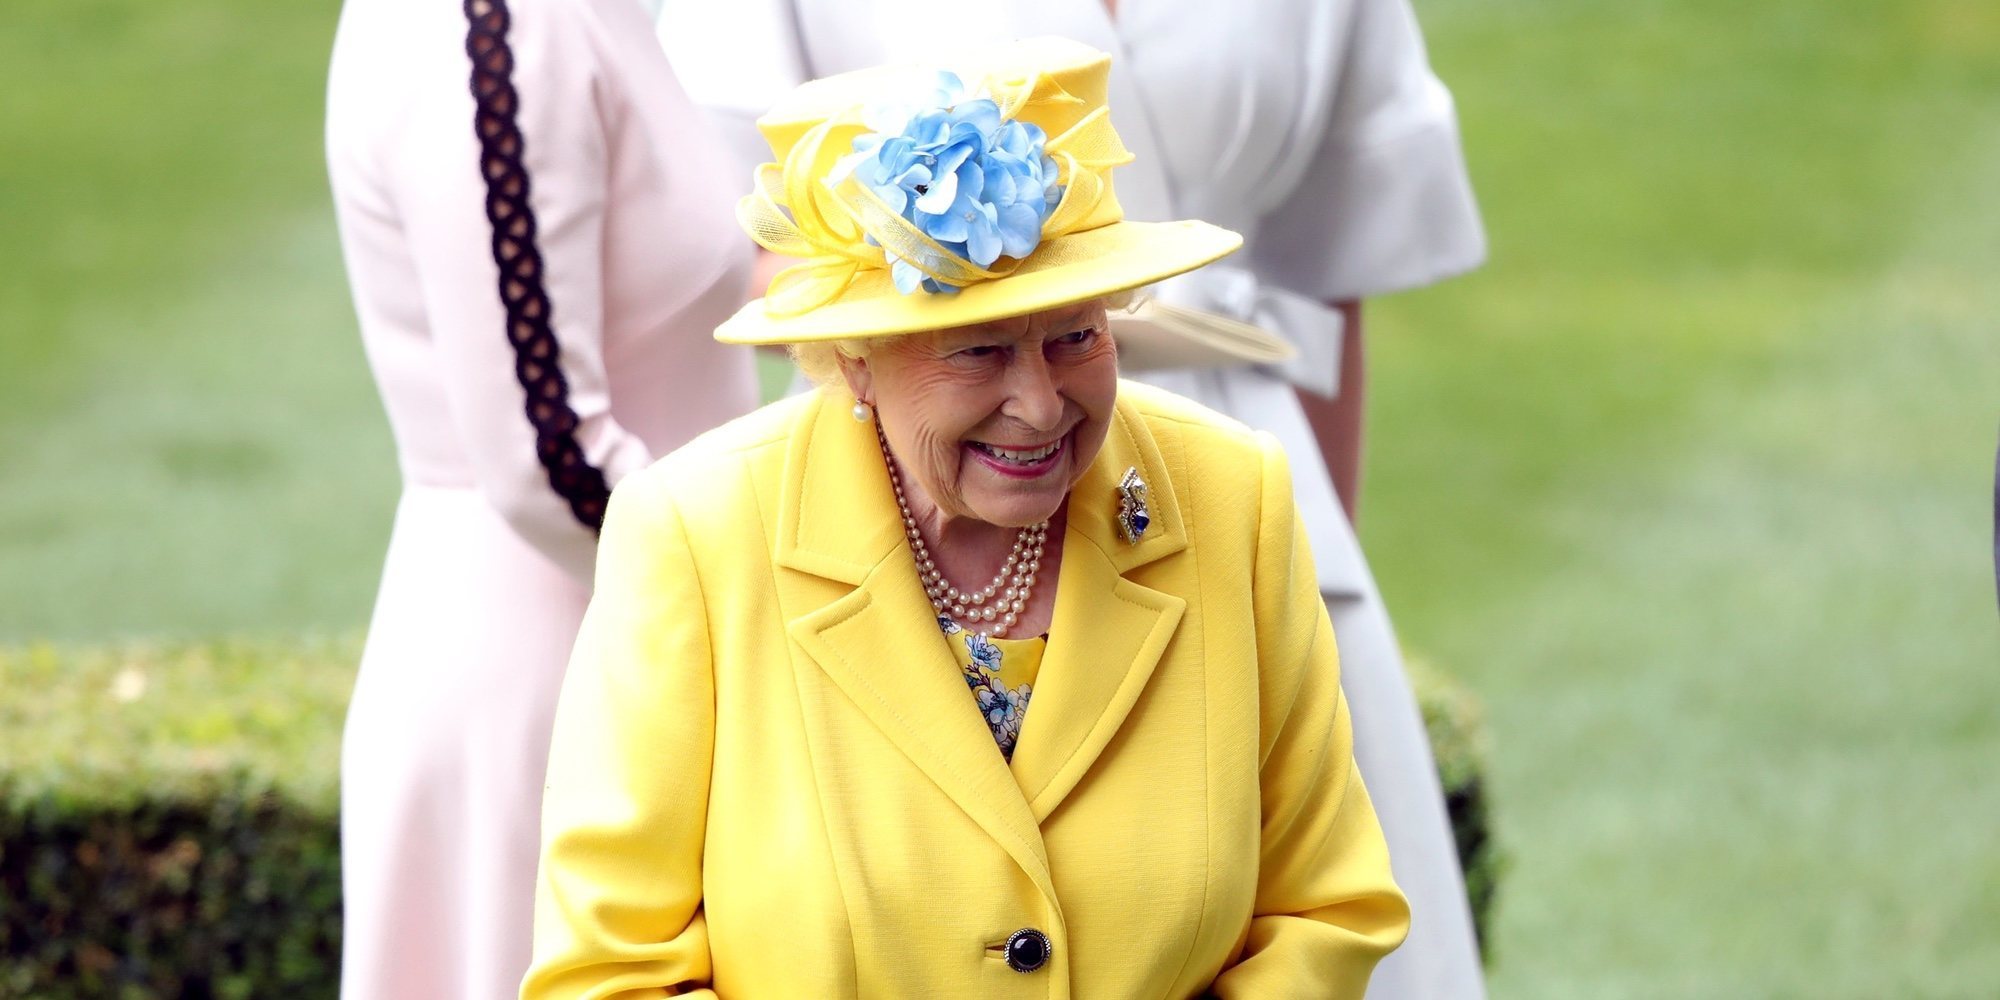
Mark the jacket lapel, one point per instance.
(879, 642)
(1108, 632)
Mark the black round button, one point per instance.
(1027, 950)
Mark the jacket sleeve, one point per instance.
(1327, 908)
(619, 894)
(437, 175)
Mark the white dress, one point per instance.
(633, 260)
(1317, 130)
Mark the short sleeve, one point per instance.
(1384, 203)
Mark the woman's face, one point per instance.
(996, 422)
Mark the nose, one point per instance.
(1033, 397)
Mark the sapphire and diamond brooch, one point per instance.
(1132, 514)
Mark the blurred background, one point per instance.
(1691, 485)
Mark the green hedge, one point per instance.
(168, 822)
(1457, 724)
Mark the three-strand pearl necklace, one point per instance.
(992, 609)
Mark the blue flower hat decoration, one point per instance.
(977, 183)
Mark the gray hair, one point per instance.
(820, 360)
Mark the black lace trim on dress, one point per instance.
(536, 353)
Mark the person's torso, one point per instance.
(865, 836)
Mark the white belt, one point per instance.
(1312, 328)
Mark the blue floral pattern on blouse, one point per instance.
(1002, 707)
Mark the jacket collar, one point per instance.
(836, 515)
(878, 644)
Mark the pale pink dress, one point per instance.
(488, 566)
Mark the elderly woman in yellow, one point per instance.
(976, 672)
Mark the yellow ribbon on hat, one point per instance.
(794, 211)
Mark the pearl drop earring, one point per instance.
(863, 412)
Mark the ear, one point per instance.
(860, 379)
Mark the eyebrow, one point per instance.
(1075, 316)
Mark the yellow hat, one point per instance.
(873, 186)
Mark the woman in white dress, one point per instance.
(1316, 129)
(539, 251)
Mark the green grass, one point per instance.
(1691, 482)
(188, 436)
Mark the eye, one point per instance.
(1078, 339)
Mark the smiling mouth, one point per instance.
(1018, 456)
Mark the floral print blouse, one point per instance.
(1001, 674)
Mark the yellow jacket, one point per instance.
(769, 780)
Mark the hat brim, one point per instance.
(1066, 270)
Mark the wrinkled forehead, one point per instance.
(1037, 325)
